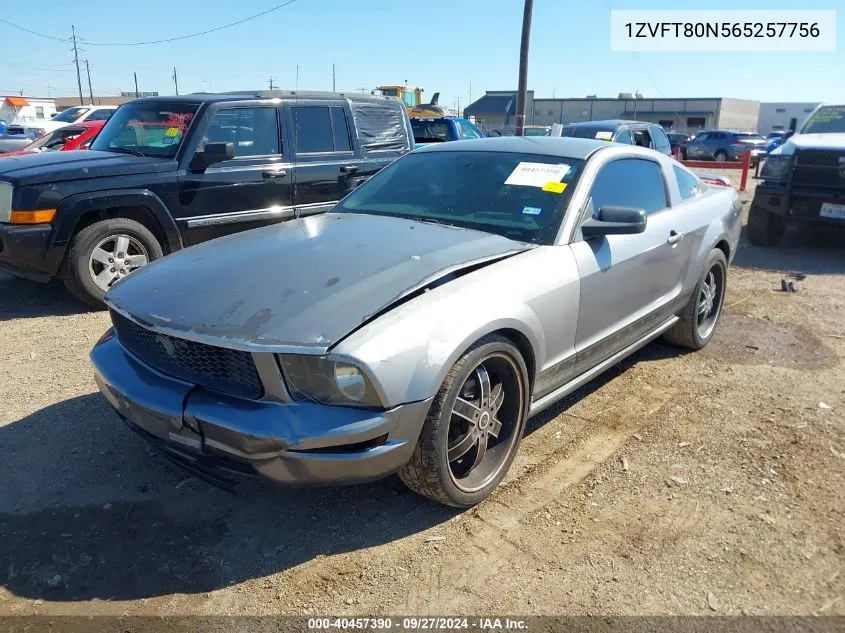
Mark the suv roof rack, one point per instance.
(303, 94)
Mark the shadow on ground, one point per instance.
(802, 250)
(22, 299)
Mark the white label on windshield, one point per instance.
(536, 174)
(604, 136)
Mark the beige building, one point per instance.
(687, 115)
(63, 103)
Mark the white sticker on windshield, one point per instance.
(536, 174)
(604, 136)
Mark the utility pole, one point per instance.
(522, 95)
(175, 80)
(296, 85)
(271, 83)
(334, 77)
(136, 84)
(76, 61)
(90, 90)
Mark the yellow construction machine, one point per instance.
(413, 100)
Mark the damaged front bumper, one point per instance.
(221, 437)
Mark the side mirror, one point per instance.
(211, 154)
(615, 221)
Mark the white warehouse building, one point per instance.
(777, 117)
(26, 109)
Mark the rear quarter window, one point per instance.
(381, 126)
(689, 185)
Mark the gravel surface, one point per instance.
(678, 483)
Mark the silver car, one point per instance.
(417, 326)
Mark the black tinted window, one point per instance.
(629, 182)
(253, 131)
(687, 183)
(341, 131)
(313, 129)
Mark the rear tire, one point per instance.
(77, 272)
(449, 464)
(720, 156)
(764, 228)
(701, 314)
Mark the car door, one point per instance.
(630, 284)
(697, 147)
(250, 190)
(326, 164)
(623, 135)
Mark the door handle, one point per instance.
(674, 237)
(349, 169)
(274, 173)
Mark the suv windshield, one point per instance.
(147, 129)
(519, 196)
(71, 115)
(826, 120)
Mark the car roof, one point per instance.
(580, 148)
(214, 97)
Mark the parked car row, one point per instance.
(410, 312)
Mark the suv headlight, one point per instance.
(776, 167)
(327, 381)
(5, 202)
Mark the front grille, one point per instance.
(218, 368)
(819, 168)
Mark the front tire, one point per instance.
(104, 252)
(701, 314)
(473, 429)
(720, 156)
(764, 228)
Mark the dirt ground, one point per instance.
(732, 502)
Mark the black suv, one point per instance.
(169, 172)
(620, 131)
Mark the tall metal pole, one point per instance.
(90, 90)
(522, 94)
(175, 80)
(136, 84)
(334, 77)
(76, 61)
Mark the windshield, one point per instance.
(519, 196)
(71, 115)
(535, 131)
(826, 120)
(55, 140)
(149, 129)
(431, 131)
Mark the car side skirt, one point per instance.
(546, 401)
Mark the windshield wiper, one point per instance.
(422, 218)
(127, 150)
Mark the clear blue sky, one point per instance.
(440, 45)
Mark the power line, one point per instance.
(49, 37)
(206, 32)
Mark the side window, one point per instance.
(340, 131)
(642, 137)
(687, 183)
(629, 182)
(320, 129)
(661, 141)
(253, 131)
(100, 115)
(624, 136)
(703, 137)
(313, 130)
(468, 130)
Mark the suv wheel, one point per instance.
(104, 252)
(764, 228)
(474, 426)
(720, 155)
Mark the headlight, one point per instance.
(776, 167)
(5, 202)
(321, 379)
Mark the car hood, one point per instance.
(818, 141)
(49, 167)
(304, 284)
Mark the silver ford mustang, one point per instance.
(417, 326)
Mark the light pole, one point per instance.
(522, 94)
